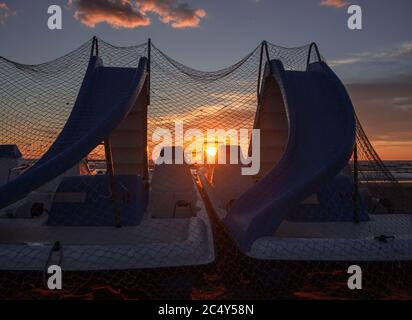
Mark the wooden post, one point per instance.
(260, 73)
(356, 184)
(95, 47)
(149, 60)
(113, 185)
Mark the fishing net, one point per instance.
(35, 103)
(385, 193)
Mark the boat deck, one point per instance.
(27, 244)
(384, 224)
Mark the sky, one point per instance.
(374, 63)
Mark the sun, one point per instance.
(211, 150)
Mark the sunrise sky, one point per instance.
(375, 63)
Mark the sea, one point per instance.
(401, 170)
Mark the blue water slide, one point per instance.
(321, 138)
(105, 98)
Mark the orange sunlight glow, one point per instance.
(211, 150)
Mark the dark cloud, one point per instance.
(376, 65)
(133, 13)
(385, 110)
(380, 84)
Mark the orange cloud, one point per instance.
(116, 13)
(334, 3)
(133, 13)
(5, 12)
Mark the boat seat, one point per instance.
(334, 203)
(172, 193)
(228, 181)
(87, 201)
(11, 160)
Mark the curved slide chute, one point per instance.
(320, 142)
(106, 97)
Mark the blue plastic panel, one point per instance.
(321, 139)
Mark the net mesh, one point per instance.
(390, 196)
(35, 103)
